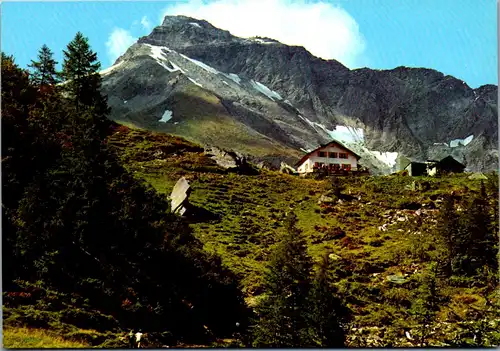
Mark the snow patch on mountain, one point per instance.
(261, 41)
(157, 53)
(341, 133)
(167, 116)
(234, 77)
(109, 69)
(271, 94)
(202, 65)
(194, 24)
(461, 142)
(175, 67)
(195, 82)
(389, 158)
(347, 134)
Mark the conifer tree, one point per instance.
(83, 84)
(44, 70)
(492, 189)
(425, 306)
(447, 230)
(326, 315)
(476, 241)
(287, 282)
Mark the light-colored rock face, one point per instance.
(180, 196)
(223, 159)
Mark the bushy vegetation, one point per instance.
(77, 223)
(91, 249)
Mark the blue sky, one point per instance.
(456, 37)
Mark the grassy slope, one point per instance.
(251, 209)
(201, 118)
(27, 338)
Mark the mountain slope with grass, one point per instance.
(380, 235)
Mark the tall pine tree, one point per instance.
(44, 70)
(476, 240)
(447, 230)
(83, 85)
(282, 320)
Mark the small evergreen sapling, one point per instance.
(282, 320)
(326, 315)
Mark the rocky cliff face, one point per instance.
(267, 99)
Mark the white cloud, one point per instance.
(324, 29)
(118, 42)
(145, 23)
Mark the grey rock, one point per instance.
(284, 168)
(479, 176)
(180, 196)
(325, 199)
(396, 279)
(226, 159)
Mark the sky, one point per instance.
(456, 37)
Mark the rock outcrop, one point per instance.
(180, 197)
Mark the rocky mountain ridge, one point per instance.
(267, 99)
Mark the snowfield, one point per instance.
(201, 64)
(347, 134)
(167, 116)
(195, 82)
(234, 77)
(261, 41)
(271, 94)
(461, 142)
(109, 69)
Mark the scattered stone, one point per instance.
(383, 227)
(478, 176)
(397, 279)
(325, 199)
(334, 257)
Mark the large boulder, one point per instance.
(230, 160)
(225, 159)
(180, 196)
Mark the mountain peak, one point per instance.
(169, 21)
(178, 32)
